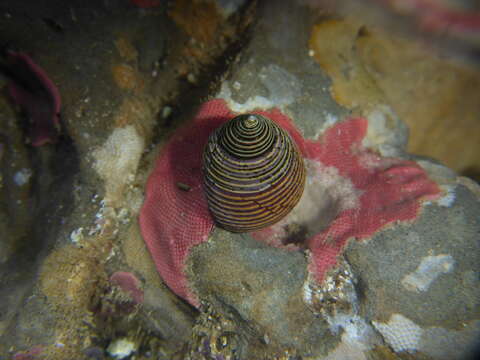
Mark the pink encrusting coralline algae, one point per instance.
(32, 89)
(129, 284)
(439, 16)
(34, 353)
(174, 220)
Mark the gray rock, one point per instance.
(426, 272)
(260, 286)
(412, 287)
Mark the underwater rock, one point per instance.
(391, 190)
(304, 283)
(376, 261)
(414, 266)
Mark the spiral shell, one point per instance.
(253, 173)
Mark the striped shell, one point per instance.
(253, 173)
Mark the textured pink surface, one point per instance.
(391, 191)
(32, 89)
(173, 221)
(32, 354)
(437, 15)
(129, 284)
(146, 4)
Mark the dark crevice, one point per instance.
(208, 82)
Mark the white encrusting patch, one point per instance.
(325, 186)
(340, 188)
(429, 269)
(326, 194)
(283, 88)
(329, 120)
(382, 121)
(401, 333)
(117, 160)
(121, 348)
(448, 198)
(358, 337)
(22, 176)
(76, 236)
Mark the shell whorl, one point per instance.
(253, 173)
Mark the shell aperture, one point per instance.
(253, 173)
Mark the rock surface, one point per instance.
(130, 74)
(400, 276)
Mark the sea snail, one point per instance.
(253, 173)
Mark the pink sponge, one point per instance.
(174, 219)
(391, 191)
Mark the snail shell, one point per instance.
(253, 173)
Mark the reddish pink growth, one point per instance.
(32, 89)
(173, 220)
(129, 284)
(32, 354)
(392, 190)
(437, 16)
(146, 4)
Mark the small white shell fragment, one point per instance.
(76, 235)
(449, 198)
(166, 111)
(121, 348)
(191, 78)
(22, 176)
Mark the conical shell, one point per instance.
(253, 173)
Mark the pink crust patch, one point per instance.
(129, 284)
(32, 354)
(391, 191)
(437, 16)
(146, 4)
(37, 95)
(173, 220)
